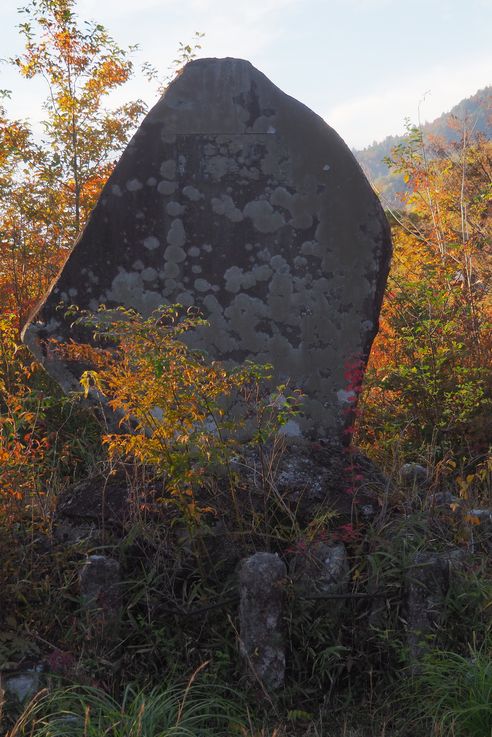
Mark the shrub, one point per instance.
(178, 411)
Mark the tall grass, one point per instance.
(454, 693)
(192, 711)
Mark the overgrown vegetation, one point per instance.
(165, 712)
(429, 381)
(191, 516)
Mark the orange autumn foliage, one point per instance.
(429, 379)
(49, 187)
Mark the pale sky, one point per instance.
(363, 65)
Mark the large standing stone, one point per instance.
(262, 594)
(236, 198)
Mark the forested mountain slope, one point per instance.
(474, 112)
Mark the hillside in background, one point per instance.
(475, 111)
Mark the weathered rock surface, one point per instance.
(312, 478)
(237, 199)
(22, 684)
(101, 502)
(262, 594)
(414, 474)
(320, 570)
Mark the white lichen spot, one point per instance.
(176, 235)
(278, 263)
(281, 197)
(264, 217)
(186, 299)
(243, 314)
(72, 292)
(166, 188)
(151, 182)
(149, 274)
(169, 286)
(116, 190)
(171, 270)
(264, 254)
(92, 277)
(127, 289)
(326, 167)
(207, 247)
(196, 269)
(225, 206)
(151, 243)
(271, 129)
(300, 261)
(174, 254)
(168, 169)
(192, 193)
(138, 265)
(174, 209)
(233, 277)
(133, 185)
(212, 304)
(194, 252)
(262, 272)
(202, 285)
(248, 281)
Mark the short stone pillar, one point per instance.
(262, 591)
(100, 594)
(426, 587)
(320, 571)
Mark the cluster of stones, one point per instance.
(238, 200)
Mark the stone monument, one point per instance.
(237, 199)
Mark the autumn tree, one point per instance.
(81, 64)
(49, 186)
(29, 215)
